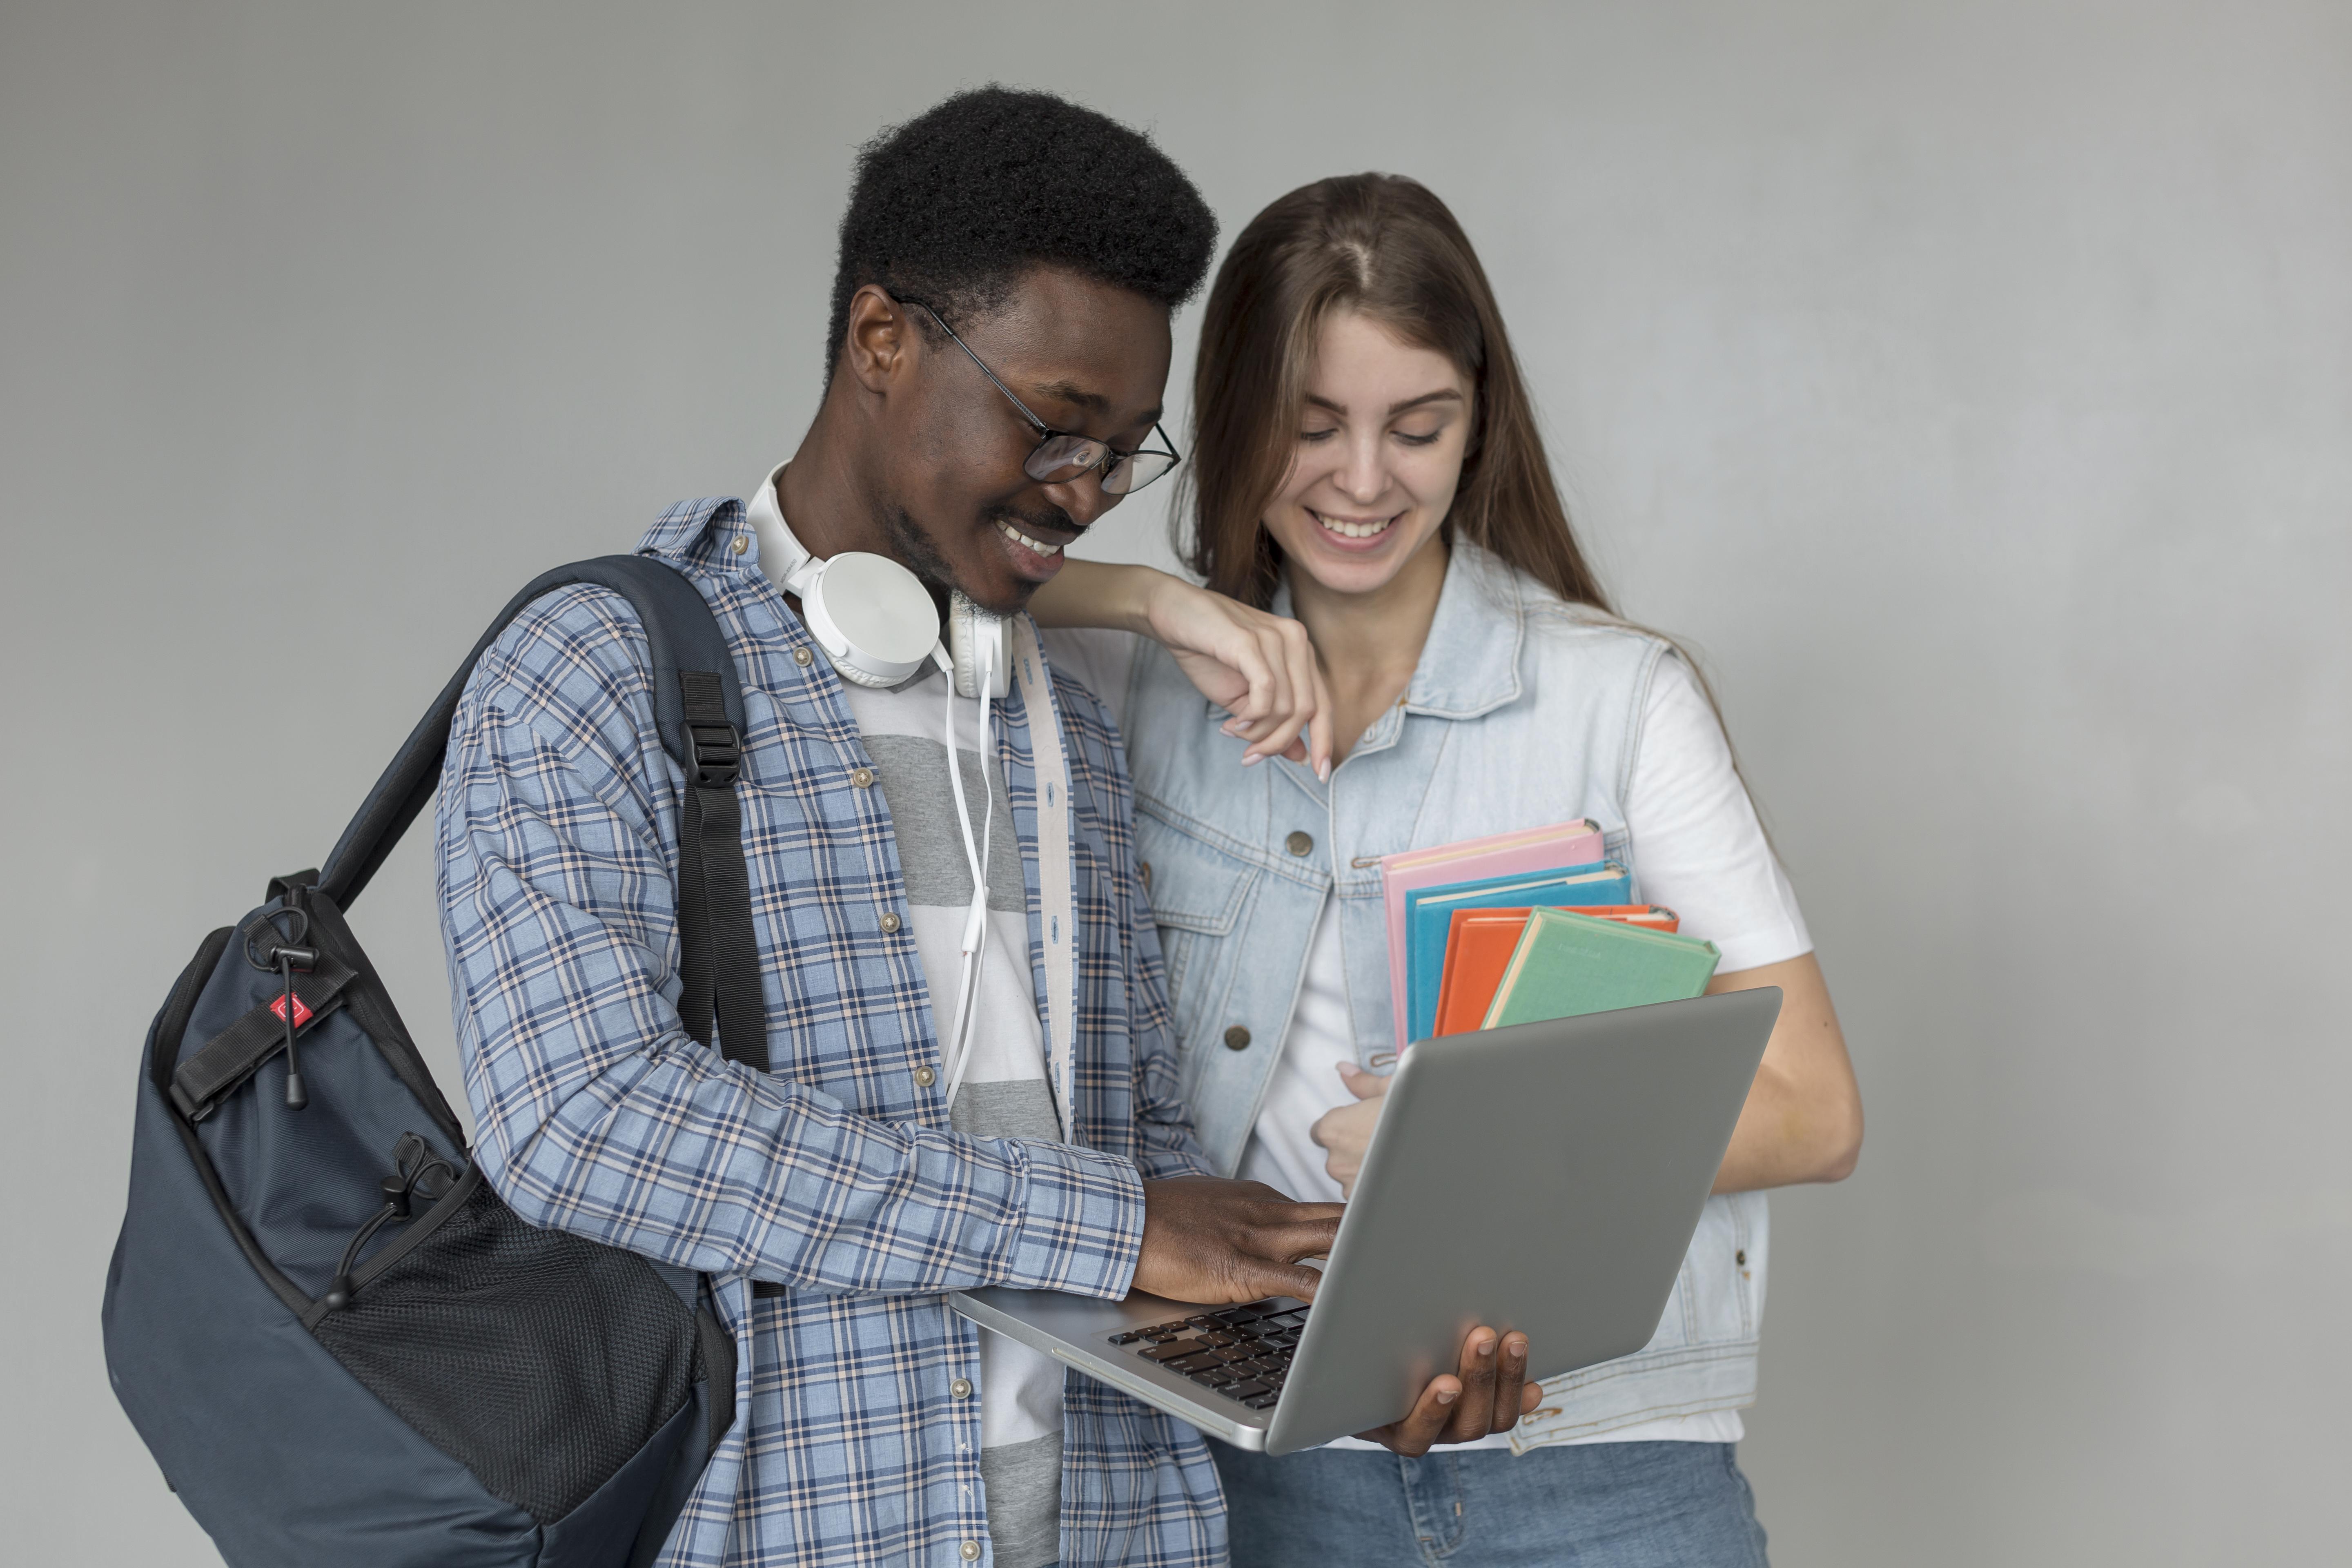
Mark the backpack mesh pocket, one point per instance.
(539, 1361)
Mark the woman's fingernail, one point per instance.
(1485, 1347)
(1446, 1395)
(1251, 759)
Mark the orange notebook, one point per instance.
(1479, 945)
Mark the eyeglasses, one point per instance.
(1060, 456)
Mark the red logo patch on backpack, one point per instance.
(302, 1014)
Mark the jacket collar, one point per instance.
(1470, 665)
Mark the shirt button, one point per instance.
(800, 657)
(742, 542)
(925, 1077)
(970, 1549)
(1740, 1257)
(1299, 843)
(961, 1388)
(889, 923)
(1236, 1039)
(862, 777)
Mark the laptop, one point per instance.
(1546, 1177)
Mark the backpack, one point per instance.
(338, 1343)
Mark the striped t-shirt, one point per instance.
(1004, 1092)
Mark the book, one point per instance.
(1478, 948)
(1576, 842)
(1429, 912)
(1568, 965)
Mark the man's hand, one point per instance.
(1211, 1240)
(1488, 1394)
(1348, 1131)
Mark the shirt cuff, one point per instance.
(1082, 1228)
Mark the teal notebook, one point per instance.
(1428, 916)
(1568, 965)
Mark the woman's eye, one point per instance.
(1316, 434)
(1420, 438)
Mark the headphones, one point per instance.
(875, 619)
(878, 627)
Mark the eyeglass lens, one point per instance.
(1059, 459)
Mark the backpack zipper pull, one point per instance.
(290, 959)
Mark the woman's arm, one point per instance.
(1802, 1122)
(1257, 666)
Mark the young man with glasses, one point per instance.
(835, 1197)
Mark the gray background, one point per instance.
(1971, 382)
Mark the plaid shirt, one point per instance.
(834, 1173)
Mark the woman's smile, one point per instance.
(1355, 532)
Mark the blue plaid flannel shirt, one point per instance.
(833, 1173)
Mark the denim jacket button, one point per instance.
(1299, 843)
(1236, 1039)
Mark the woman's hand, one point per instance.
(1257, 666)
(1348, 1131)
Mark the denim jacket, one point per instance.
(1523, 711)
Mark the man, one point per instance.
(835, 1197)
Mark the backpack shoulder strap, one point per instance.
(698, 712)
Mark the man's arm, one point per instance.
(599, 1115)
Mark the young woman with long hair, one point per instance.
(1368, 474)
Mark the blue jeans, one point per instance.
(1596, 1505)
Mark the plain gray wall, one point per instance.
(1973, 384)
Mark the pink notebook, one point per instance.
(1575, 843)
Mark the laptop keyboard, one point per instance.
(1242, 1352)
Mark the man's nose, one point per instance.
(1083, 497)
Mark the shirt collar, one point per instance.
(1470, 665)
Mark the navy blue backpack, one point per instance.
(338, 1343)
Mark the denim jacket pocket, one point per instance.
(1199, 899)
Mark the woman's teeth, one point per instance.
(1039, 545)
(1353, 530)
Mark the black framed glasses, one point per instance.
(1061, 457)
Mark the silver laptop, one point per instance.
(1546, 1177)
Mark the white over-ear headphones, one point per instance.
(878, 627)
(875, 619)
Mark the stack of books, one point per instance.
(1525, 926)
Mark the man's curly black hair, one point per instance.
(957, 204)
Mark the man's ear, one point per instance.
(880, 346)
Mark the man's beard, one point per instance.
(915, 548)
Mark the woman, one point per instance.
(1368, 471)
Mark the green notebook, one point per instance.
(1568, 965)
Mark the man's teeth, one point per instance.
(1039, 545)
(1353, 530)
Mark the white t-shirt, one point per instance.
(1699, 850)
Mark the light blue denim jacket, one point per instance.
(1523, 711)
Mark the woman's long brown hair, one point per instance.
(1386, 247)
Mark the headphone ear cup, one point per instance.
(874, 618)
(978, 639)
